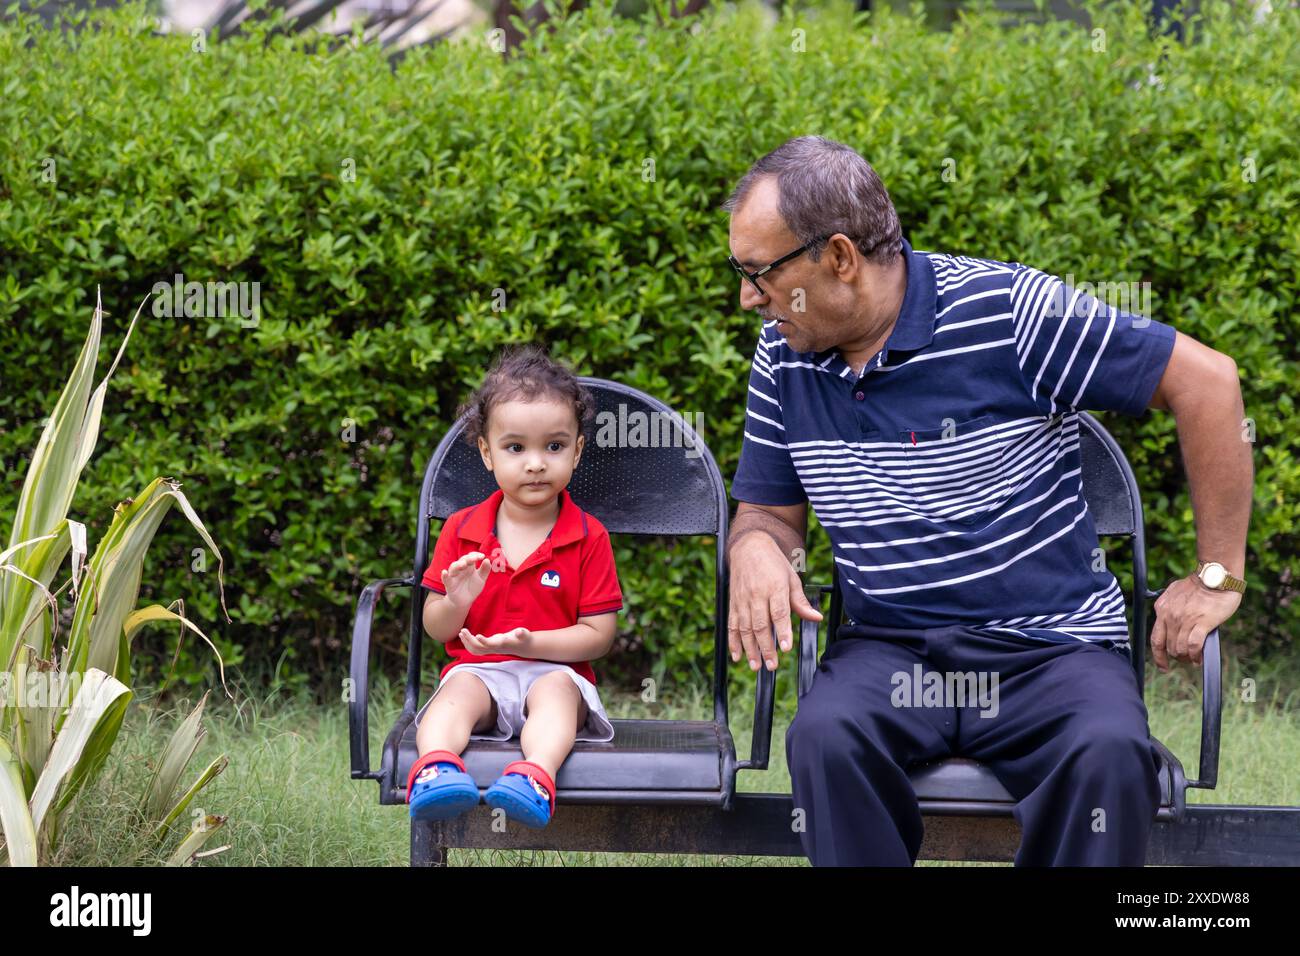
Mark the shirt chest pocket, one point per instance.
(956, 473)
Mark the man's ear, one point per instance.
(847, 261)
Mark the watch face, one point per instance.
(1213, 575)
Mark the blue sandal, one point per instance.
(525, 792)
(439, 788)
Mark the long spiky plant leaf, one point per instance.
(156, 612)
(185, 853)
(95, 407)
(113, 581)
(51, 480)
(15, 816)
(101, 699)
(172, 762)
(207, 776)
(51, 474)
(42, 563)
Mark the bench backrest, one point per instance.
(632, 486)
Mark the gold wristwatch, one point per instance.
(1216, 577)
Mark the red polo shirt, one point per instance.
(570, 575)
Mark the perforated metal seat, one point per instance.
(675, 760)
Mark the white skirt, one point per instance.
(509, 682)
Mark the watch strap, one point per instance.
(1230, 581)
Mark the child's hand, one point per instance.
(511, 642)
(464, 580)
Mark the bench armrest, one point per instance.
(1207, 775)
(1211, 713)
(359, 699)
(810, 636)
(760, 747)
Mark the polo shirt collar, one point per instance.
(570, 525)
(915, 326)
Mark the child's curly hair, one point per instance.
(525, 372)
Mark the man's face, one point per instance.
(811, 305)
(532, 448)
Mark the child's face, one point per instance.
(532, 448)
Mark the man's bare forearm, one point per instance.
(1220, 471)
(752, 522)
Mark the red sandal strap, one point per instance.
(433, 756)
(528, 768)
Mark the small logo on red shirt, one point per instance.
(550, 579)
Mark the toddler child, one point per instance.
(524, 596)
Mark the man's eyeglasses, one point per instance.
(753, 276)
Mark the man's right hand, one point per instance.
(764, 588)
(463, 581)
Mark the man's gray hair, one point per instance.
(825, 188)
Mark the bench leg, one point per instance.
(426, 850)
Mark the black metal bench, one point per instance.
(669, 786)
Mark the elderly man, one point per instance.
(926, 405)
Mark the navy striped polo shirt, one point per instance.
(948, 476)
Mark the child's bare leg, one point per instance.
(555, 712)
(462, 706)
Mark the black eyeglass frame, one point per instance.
(753, 276)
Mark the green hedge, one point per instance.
(475, 172)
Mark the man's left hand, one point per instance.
(1186, 612)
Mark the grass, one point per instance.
(290, 800)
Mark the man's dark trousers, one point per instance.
(1069, 741)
